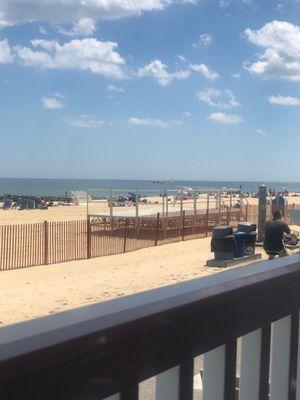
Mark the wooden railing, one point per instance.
(109, 348)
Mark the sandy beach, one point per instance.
(73, 213)
(50, 289)
(54, 288)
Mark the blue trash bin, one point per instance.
(239, 250)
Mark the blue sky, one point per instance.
(148, 89)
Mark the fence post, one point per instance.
(182, 225)
(228, 216)
(219, 206)
(88, 238)
(262, 211)
(207, 215)
(125, 235)
(230, 206)
(246, 211)
(46, 249)
(195, 212)
(156, 229)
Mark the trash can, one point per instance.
(250, 239)
(246, 227)
(223, 243)
(31, 204)
(239, 250)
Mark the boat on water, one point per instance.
(164, 182)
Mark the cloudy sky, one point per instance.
(144, 89)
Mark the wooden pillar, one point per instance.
(156, 229)
(262, 211)
(87, 205)
(125, 235)
(181, 204)
(46, 238)
(219, 206)
(207, 214)
(166, 216)
(182, 224)
(137, 212)
(88, 239)
(241, 204)
(195, 212)
(230, 206)
(167, 204)
(111, 212)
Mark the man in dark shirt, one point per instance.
(274, 231)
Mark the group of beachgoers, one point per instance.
(30, 203)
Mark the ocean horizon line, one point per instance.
(261, 181)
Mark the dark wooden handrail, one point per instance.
(95, 351)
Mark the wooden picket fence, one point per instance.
(53, 242)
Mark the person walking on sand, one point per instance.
(274, 232)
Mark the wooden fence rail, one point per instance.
(53, 242)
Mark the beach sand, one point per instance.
(73, 213)
(39, 291)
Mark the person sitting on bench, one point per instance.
(274, 232)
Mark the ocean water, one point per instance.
(102, 187)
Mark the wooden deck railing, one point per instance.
(108, 349)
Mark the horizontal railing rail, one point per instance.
(100, 350)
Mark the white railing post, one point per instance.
(114, 397)
(167, 385)
(250, 366)
(214, 374)
(280, 359)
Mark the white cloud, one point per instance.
(279, 7)
(224, 118)
(68, 11)
(85, 121)
(82, 27)
(43, 30)
(205, 39)
(217, 98)
(158, 123)
(86, 54)
(281, 56)
(54, 102)
(284, 100)
(223, 4)
(182, 58)
(261, 132)
(236, 75)
(205, 71)
(114, 88)
(158, 71)
(6, 55)
(187, 114)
